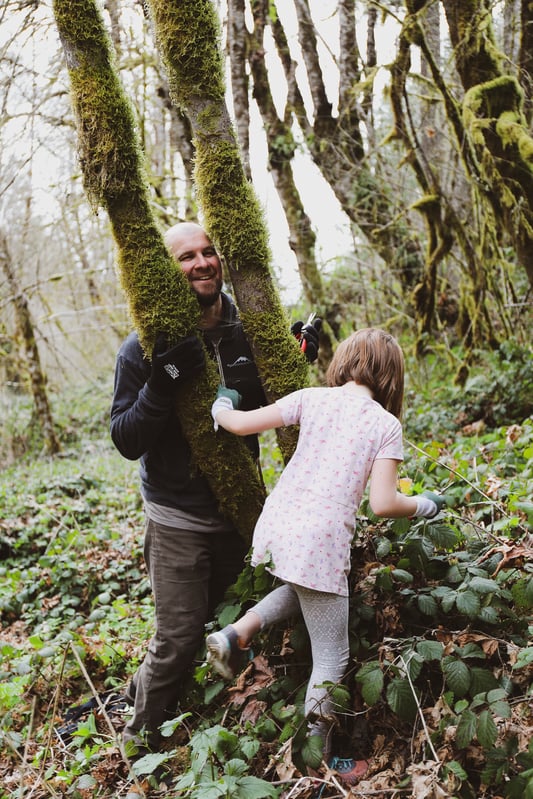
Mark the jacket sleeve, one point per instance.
(138, 415)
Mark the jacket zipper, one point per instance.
(219, 361)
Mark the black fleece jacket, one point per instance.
(144, 425)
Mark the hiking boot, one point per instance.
(350, 771)
(224, 653)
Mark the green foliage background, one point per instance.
(439, 685)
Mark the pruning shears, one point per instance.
(303, 341)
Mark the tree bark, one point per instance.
(188, 35)
(281, 146)
(493, 111)
(237, 40)
(157, 291)
(33, 360)
(336, 146)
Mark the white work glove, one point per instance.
(220, 404)
(425, 507)
(429, 504)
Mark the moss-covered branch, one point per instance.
(158, 293)
(493, 117)
(233, 216)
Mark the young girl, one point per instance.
(349, 433)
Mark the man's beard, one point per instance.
(207, 300)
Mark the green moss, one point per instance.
(188, 36)
(492, 98)
(510, 129)
(158, 293)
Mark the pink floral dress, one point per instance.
(305, 530)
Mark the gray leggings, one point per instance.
(326, 619)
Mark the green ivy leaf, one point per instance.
(370, 677)
(383, 547)
(85, 782)
(501, 709)
(427, 605)
(149, 763)
(312, 750)
(170, 726)
(468, 603)
(483, 585)
(457, 676)
(466, 728)
(401, 699)
(402, 576)
(489, 614)
(443, 536)
(448, 600)
(524, 658)
(254, 788)
(430, 650)
(456, 768)
(486, 729)
(482, 680)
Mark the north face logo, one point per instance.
(172, 370)
(242, 360)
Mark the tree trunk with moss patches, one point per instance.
(33, 360)
(493, 112)
(525, 58)
(157, 291)
(337, 148)
(188, 36)
(237, 47)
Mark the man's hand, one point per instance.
(227, 400)
(172, 366)
(307, 335)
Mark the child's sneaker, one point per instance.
(224, 653)
(349, 770)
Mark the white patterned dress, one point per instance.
(305, 530)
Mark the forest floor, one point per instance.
(438, 696)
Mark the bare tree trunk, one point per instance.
(237, 40)
(281, 146)
(336, 146)
(33, 361)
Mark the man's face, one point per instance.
(199, 261)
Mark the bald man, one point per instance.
(192, 553)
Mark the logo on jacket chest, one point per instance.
(242, 360)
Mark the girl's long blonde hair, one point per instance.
(373, 358)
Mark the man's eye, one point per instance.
(186, 257)
(210, 251)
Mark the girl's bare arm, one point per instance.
(385, 499)
(245, 422)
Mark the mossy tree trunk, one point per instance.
(493, 114)
(37, 376)
(447, 226)
(188, 36)
(158, 294)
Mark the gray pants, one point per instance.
(326, 619)
(189, 573)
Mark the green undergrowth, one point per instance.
(438, 693)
